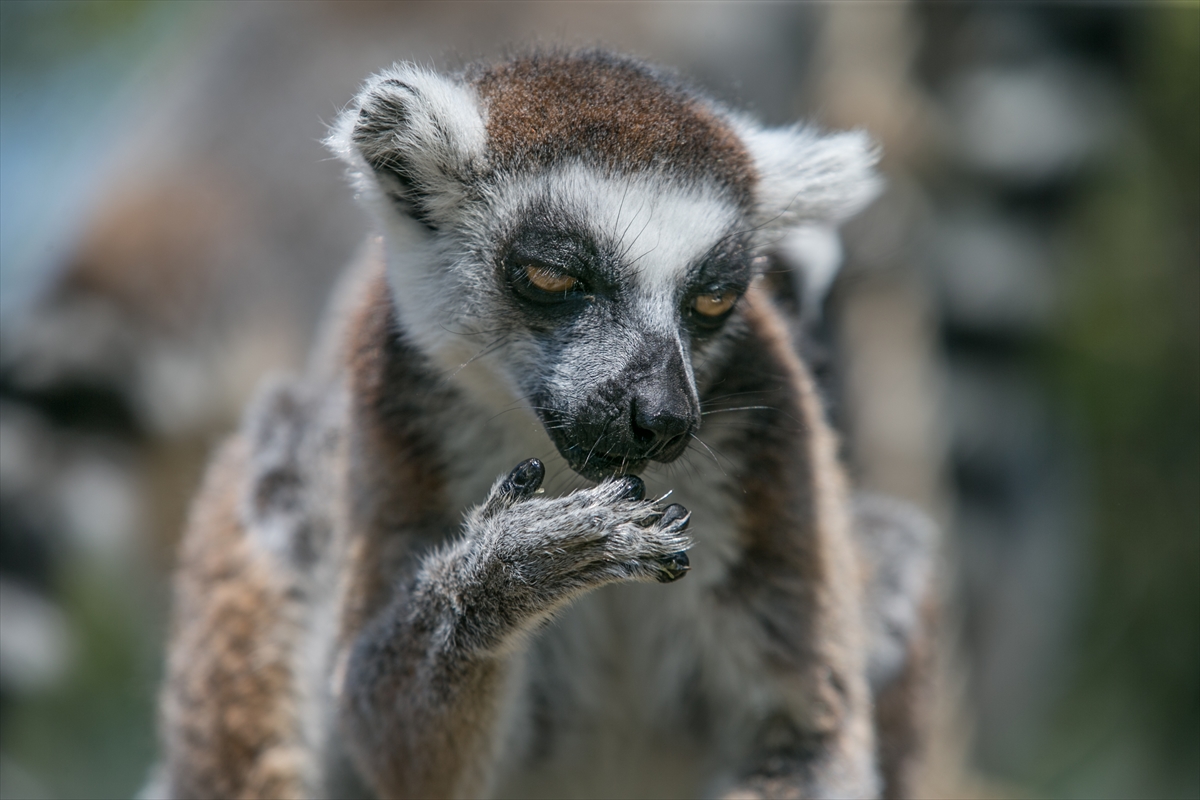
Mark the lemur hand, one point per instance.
(524, 556)
(589, 537)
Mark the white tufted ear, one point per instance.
(806, 177)
(416, 137)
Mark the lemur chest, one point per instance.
(639, 689)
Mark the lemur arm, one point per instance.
(422, 679)
(418, 710)
(819, 742)
(894, 547)
(423, 684)
(789, 763)
(798, 585)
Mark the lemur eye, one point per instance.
(549, 280)
(714, 304)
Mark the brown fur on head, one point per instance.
(614, 113)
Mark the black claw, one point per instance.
(673, 567)
(672, 513)
(635, 488)
(525, 478)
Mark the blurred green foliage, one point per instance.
(36, 34)
(1125, 361)
(92, 735)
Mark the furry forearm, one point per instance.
(419, 708)
(423, 686)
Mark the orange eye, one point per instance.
(715, 304)
(548, 280)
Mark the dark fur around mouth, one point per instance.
(598, 467)
(594, 462)
(643, 411)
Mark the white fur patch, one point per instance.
(661, 226)
(807, 177)
(440, 137)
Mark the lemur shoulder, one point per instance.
(566, 278)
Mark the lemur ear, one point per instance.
(806, 177)
(416, 137)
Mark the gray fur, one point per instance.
(467, 635)
(523, 558)
(897, 548)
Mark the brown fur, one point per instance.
(395, 474)
(797, 575)
(397, 510)
(546, 109)
(228, 707)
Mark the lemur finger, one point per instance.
(525, 478)
(674, 521)
(635, 488)
(518, 485)
(664, 537)
(664, 568)
(614, 490)
(675, 513)
(673, 567)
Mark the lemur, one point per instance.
(672, 593)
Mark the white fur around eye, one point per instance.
(660, 226)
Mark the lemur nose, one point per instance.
(658, 423)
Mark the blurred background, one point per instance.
(1013, 342)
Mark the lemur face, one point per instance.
(581, 229)
(611, 291)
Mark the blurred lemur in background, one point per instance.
(569, 277)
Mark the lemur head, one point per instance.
(580, 228)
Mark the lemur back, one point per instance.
(672, 592)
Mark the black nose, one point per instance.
(660, 425)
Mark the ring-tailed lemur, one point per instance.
(566, 278)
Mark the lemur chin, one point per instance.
(568, 277)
